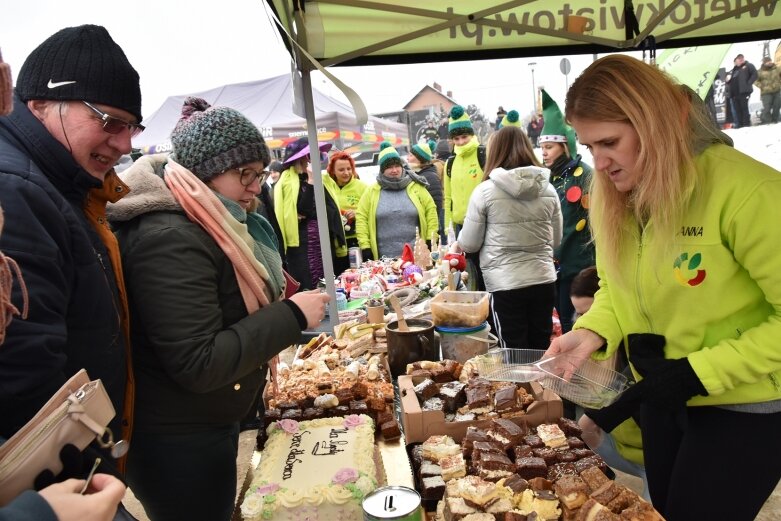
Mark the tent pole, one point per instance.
(317, 178)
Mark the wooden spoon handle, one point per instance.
(394, 300)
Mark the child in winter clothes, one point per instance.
(622, 449)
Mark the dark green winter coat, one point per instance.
(576, 250)
(197, 353)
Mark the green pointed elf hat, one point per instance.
(555, 128)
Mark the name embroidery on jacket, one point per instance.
(691, 231)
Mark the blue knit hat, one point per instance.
(387, 155)
(423, 152)
(208, 140)
(459, 122)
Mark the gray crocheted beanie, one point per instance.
(209, 140)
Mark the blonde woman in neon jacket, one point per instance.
(382, 210)
(687, 254)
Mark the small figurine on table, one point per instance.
(411, 272)
(422, 254)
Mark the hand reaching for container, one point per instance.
(578, 345)
(312, 304)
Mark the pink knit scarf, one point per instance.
(203, 208)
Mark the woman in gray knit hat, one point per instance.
(206, 291)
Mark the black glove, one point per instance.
(646, 352)
(671, 384)
(367, 254)
(626, 406)
(76, 464)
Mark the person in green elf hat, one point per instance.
(571, 177)
(421, 160)
(391, 209)
(511, 119)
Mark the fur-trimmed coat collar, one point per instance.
(148, 191)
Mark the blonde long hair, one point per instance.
(623, 89)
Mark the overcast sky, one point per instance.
(183, 47)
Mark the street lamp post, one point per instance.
(534, 88)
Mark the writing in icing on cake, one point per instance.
(330, 447)
(292, 457)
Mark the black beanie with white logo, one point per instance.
(81, 63)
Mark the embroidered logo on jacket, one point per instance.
(686, 269)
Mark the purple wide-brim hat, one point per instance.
(300, 148)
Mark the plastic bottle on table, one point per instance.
(341, 300)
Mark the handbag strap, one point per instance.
(79, 413)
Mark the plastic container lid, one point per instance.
(461, 330)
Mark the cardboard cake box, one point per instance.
(419, 425)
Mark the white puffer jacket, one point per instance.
(514, 221)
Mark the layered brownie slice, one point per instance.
(529, 468)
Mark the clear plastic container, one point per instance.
(459, 308)
(590, 385)
(580, 381)
(510, 365)
(463, 343)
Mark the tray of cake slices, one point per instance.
(336, 375)
(579, 380)
(515, 472)
(446, 397)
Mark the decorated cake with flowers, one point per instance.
(314, 470)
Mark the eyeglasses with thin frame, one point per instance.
(113, 124)
(248, 175)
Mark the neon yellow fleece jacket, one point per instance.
(347, 197)
(285, 206)
(629, 441)
(465, 175)
(366, 215)
(715, 294)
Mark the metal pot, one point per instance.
(405, 347)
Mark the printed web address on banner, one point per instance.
(607, 18)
